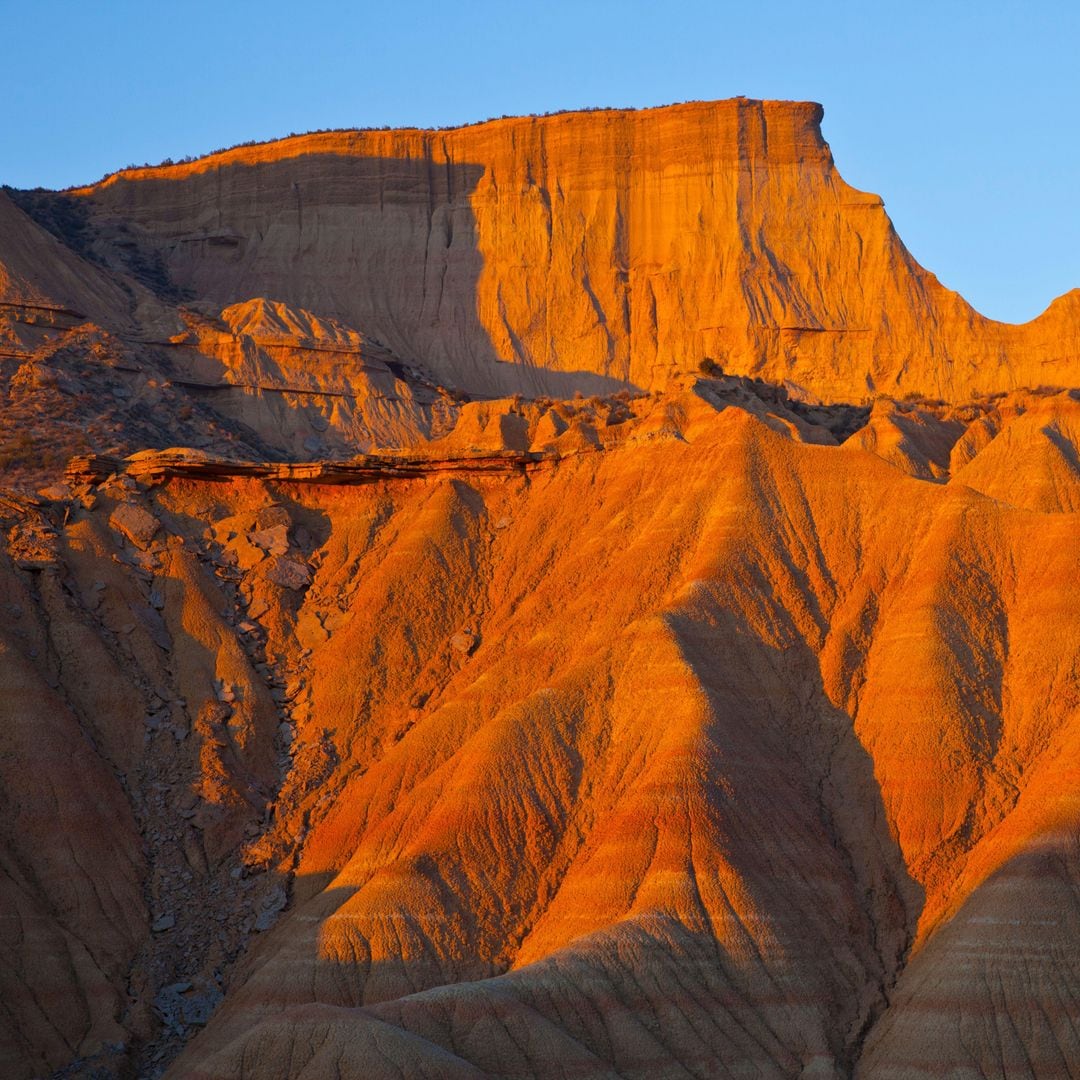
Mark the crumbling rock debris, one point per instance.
(288, 573)
(273, 540)
(464, 641)
(139, 526)
(32, 543)
(181, 1005)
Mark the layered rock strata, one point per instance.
(567, 596)
(582, 251)
(779, 732)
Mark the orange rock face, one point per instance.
(622, 245)
(358, 725)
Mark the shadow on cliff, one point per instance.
(387, 245)
(789, 803)
(790, 744)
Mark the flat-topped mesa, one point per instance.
(583, 251)
(740, 129)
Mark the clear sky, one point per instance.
(965, 117)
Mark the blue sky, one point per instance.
(963, 116)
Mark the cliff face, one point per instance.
(581, 250)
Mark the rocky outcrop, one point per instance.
(308, 386)
(583, 251)
(157, 466)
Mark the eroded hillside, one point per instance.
(696, 710)
(697, 742)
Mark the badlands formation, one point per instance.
(565, 597)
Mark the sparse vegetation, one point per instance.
(63, 217)
(188, 158)
(148, 267)
(913, 397)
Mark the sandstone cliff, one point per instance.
(549, 254)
